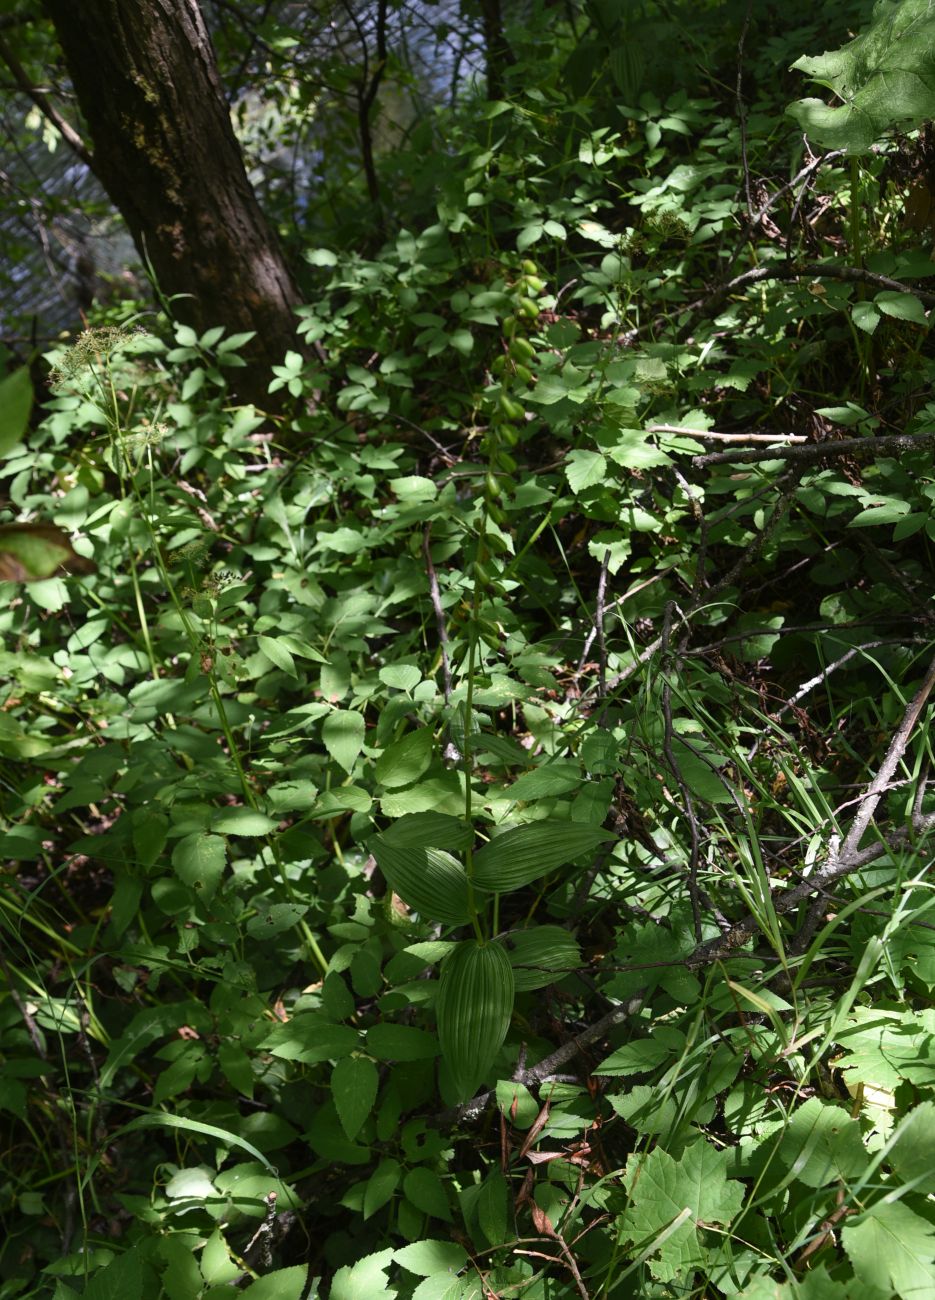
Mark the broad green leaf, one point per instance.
(427, 1257)
(585, 469)
(16, 398)
(150, 829)
(663, 1190)
(545, 782)
(278, 653)
(406, 760)
(343, 734)
(401, 1043)
(242, 821)
(364, 1279)
(473, 1009)
(354, 1083)
(912, 1148)
(308, 1038)
(292, 796)
(885, 78)
(429, 880)
(903, 306)
(426, 1191)
(892, 1248)
(430, 830)
(122, 1279)
(282, 1284)
(381, 1185)
(402, 677)
(274, 919)
(199, 862)
(34, 552)
(525, 853)
(517, 1103)
(540, 955)
(821, 1144)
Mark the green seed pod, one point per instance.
(510, 408)
(509, 325)
(529, 267)
(505, 461)
(523, 373)
(495, 512)
(492, 487)
(534, 284)
(522, 350)
(498, 365)
(508, 434)
(529, 308)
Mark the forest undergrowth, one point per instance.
(468, 832)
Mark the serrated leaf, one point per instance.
(427, 1257)
(585, 469)
(892, 1248)
(380, 1187)
(902, 306)
(473, 1009)
(885, 78)
(354, 1084)
(429, 880)
(343, 734)
(525, 853)
(199, 862)
(278, 654)
(406, 760)
(402, 677)
(540, 955)
(865, 316)
(663, 1190)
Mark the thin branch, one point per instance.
(709, 435)
(811, 270)
(850, 857)
(532, 1078)
(599, 627)
(45, 106)
(817, 450)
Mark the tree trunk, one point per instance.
(146, 80)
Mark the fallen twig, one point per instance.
(817, 450)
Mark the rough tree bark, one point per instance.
(146, 80)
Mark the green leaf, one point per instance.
(275, 919)
(150, 829)
(277, 653)
(429, 880)
(885, 79)
(427, 1257)
(673, 1196)
(585, 469)
(545, 782)
(242, 821)
(525, 853)
(892, 1248)
(540, 955)
(865, 316)
(199, 862)
(308, 1038)
(912, 1148)
(343, 734)
(473, 1009)
(122, 1279)
(426, 1191)
(401, 1043)
(281, 1284)
(402, 677)
(16, 398)
(33, 552)
(904, 306)
(430, 830)
(406, 760)
(821, 1144)
(354, 1083)
(380, 1187)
